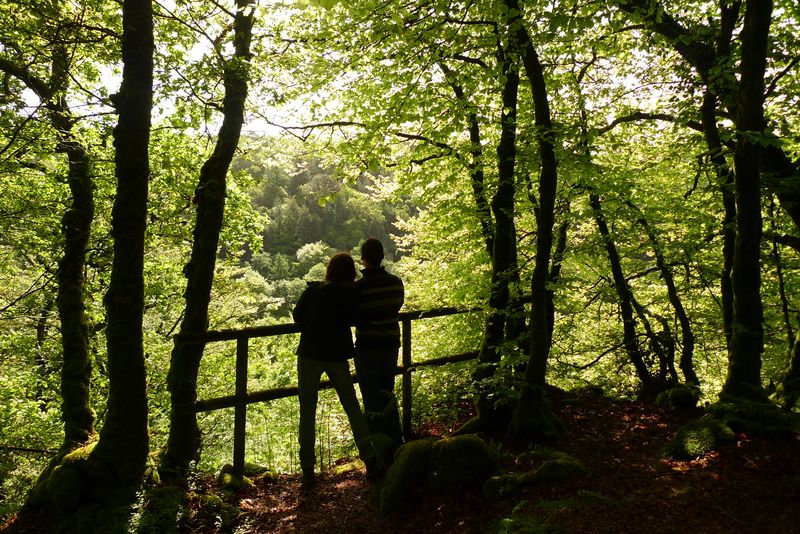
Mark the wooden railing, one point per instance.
(242, 397)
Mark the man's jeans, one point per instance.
(375, 370)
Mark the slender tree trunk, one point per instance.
(184, 436)
(784, 298)
(476, 163)
(687, 336)
(726, 180)
(504, 254)
(531, 417)
(75, 227)
(623, 292)
(555, 270)
(747, 343)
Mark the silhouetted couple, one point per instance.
(326, 311)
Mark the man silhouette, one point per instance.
(381, 296)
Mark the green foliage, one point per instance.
(396, 165)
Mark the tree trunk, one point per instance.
(475, 165)
(725, 178)
(88, 488)
(504, 253)
(555, 270)
(687, 336)
(76, 223)
(784, 297)
(531, 418)
(623, 292)
(184, 436)
(75, 226)
(121, 452)
(747, 343)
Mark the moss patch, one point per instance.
(558, 466)
(162, 511)
(757, 418)
(698, 437)
(432, 466)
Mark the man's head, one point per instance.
(372, 252)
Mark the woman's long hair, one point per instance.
(341, 268)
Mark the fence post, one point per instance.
(240, 410)
(407, 379)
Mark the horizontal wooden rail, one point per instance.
(264, 395)
(242, 398)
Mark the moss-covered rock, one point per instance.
(698, 437)
(162, 510)
(406, 476)
(432, 466)
(757, 418)
(233, 481)
(561, 466)
(460, 461)
(558, 466)
(679, 397)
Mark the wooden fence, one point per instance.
(242, 397)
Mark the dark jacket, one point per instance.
(380, 297)
(326, 311)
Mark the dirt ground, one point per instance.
(752, 486)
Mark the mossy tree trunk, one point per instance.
(76, 224)
(120, 455)
(84, 489)
(747, 343)
(184, 435)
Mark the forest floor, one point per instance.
(753, 486)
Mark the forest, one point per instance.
(594, 206)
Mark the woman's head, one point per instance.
(341, 268)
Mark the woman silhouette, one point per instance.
(326, 311)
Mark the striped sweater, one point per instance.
(380, 298)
